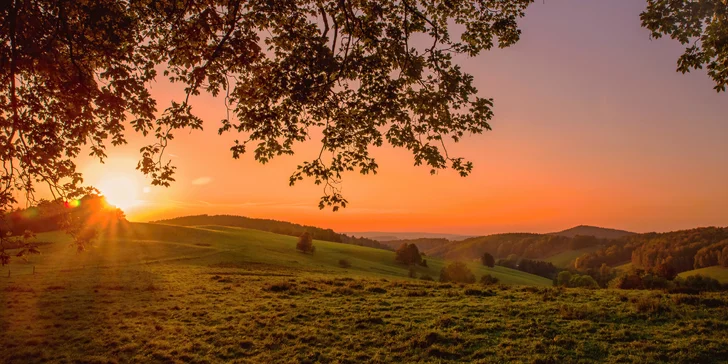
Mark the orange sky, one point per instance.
(592, 126)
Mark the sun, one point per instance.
(121, 191)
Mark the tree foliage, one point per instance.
(408, 254)
(305, 243)
(354, 73)
(487, 260)
(701, 25)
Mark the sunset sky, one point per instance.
(592, 126)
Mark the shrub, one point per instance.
(343, 263)
(563, 278)
(412, 273)
(305, 243)
(583, 281)
(699, 283)
(457, 272)
(488, 279)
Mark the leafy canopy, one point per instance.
(702, 25)
(76, 76)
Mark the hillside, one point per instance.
(525, 245)
(274, 226)
(131, 244)
(566, 259)
(716, 272)
(598, 232)
(684, 250)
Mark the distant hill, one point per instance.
(273, 226)
(390, 236)
(595, 231)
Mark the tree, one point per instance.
(457, 272)
(77, 74)
(305, 243)
(408, 254)
(563, 278)
(487, 260)
(702, 25)
(666, 271)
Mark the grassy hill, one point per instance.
(716, 272)
(273, 226)
(566, 258)
(142, 243)
(598, 232)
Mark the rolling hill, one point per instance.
(274, 226)
(131, 244)
(716, 272)
(598, 232)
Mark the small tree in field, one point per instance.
(487, 260)
(305, 243)
(408, 254)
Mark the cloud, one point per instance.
(201, 181)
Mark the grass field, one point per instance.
(565, 259)
(719, 273)
(216, 245)
(150, 293)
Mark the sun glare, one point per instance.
(120, 191)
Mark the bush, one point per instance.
(343, 263)
(563, 278)
(305, 243)
(583, 281)
(457, 272)
(699, 283)
(488, 279)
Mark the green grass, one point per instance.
(260, 313)
(154, 293)
(566, 258)
(139, 243)
(624, 267)
(716, 272)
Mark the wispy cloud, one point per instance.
(201, 181)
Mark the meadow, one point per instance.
(153, 293)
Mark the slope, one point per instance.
(144, 243)
(716, 272)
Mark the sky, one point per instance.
(592, 126)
